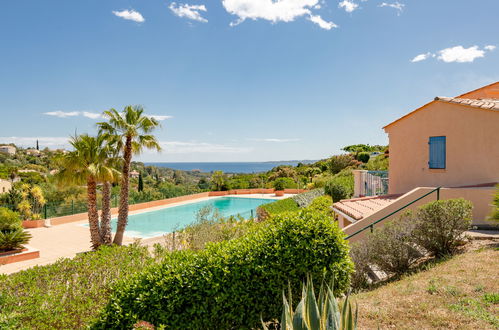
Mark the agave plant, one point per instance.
(321, 313)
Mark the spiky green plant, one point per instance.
(321, 313)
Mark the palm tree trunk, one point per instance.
(123, 208)
(93, 214)
(105, 223)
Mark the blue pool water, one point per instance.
(160, 222)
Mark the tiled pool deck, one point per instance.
(66, 240)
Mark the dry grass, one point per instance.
(460, 293)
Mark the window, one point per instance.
(437, 152)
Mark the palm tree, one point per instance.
(114, 162)
(130, 130)
(88, 164)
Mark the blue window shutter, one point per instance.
(437, 157)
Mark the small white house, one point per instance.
(5, 186)
(10, 150)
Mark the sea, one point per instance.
(230, 167)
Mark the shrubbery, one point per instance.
(363, 157)
(230, 285)
(209, 227)
(340, 162)
(336, 190)
(392, 248)
(12, 234)
(69, 293)
(440, 225)
(436, 227)
(284, 183)
(280, 206)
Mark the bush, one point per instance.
(210, 226)
(12, 235)
(230, 285)
(360, 253)
(495, 211)
(336, 190)
(363, 157)
(304, 199)
(322, 204)
(274, 208)
(340, 162)
(391, 246)
(9, 220)
(69, 293)
(284, 183)
(440, 225)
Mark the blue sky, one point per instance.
(238, 80)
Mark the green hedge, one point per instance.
(230, 285)
(277, 207)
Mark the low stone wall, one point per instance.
(162, 202)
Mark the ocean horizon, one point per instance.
(227, 167)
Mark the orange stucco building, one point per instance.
(468, 126)
(451, 142)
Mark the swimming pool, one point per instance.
(162, 221)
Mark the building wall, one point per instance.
(5, 186)
(472, 155)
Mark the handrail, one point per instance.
(398, 210)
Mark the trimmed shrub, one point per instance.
(322, 204)
(231, 285)
(284, 205)
(440, 225)
(391, 246)
(336, 190)
(306, 198)
(284, 183)
(363, 157)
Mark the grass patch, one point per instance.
(460, 292)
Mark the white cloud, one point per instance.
(421, 57)
(321, 22)
(274, 140)
(161, 117)
(274, 11)
(179, 147)
(460, 54)
(62, 114)
(348, 5)
(457, 54)
(189, 11)
(131, 15)
(91, 115)
(395, 5)
(67, 114)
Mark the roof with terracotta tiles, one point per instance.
(490, 104)
(359, 208)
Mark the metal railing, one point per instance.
(371, 226)
(374, 183)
